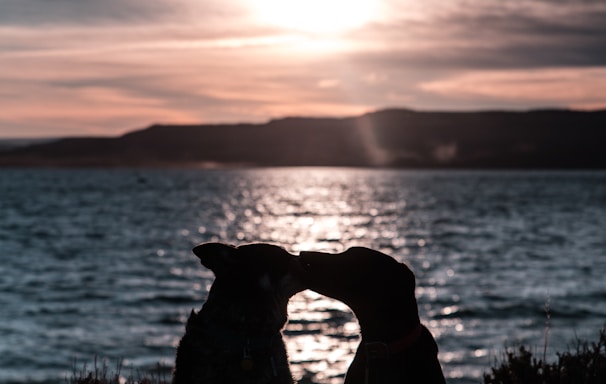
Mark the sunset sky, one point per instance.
(84, 67)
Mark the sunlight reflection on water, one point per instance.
(322, 336)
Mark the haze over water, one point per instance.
(99, 262)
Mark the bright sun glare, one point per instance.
(318, 16)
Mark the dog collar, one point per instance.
(381, 350)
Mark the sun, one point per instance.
(317, 16)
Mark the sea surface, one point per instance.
(97, 263)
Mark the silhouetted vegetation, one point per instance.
(585, 365)
(102, 375)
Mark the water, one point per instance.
(99, 262)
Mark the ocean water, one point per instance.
(98, 263)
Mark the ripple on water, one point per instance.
(99, 262)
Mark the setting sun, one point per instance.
(319, 16)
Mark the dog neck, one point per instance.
(248, 349)
(233, 339)
(244, 318)
(386, 324)
(384, 350)
(246, 345)
(232, 328)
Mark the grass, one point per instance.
(585, 365)
(100, 374)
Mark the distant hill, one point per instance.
(8, 144)
(540, 139)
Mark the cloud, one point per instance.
(571, 87)
(78, 12)
(489, 34)
(140, 82)
(328, 83)
(37, 13)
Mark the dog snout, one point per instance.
(296, 267)
(305, 259)
(309, 258)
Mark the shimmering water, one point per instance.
(98, 262)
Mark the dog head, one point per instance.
(253, 283)
(362, 278)
(381, 292)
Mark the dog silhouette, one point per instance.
(395, 347)
(236, 336)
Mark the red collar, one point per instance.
(380, 350)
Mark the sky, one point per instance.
(106, 67)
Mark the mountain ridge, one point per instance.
(402, 138)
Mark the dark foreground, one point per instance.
(584, 365)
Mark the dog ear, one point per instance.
(217, 257)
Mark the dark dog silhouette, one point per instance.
(395, 347)
(236, 337)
